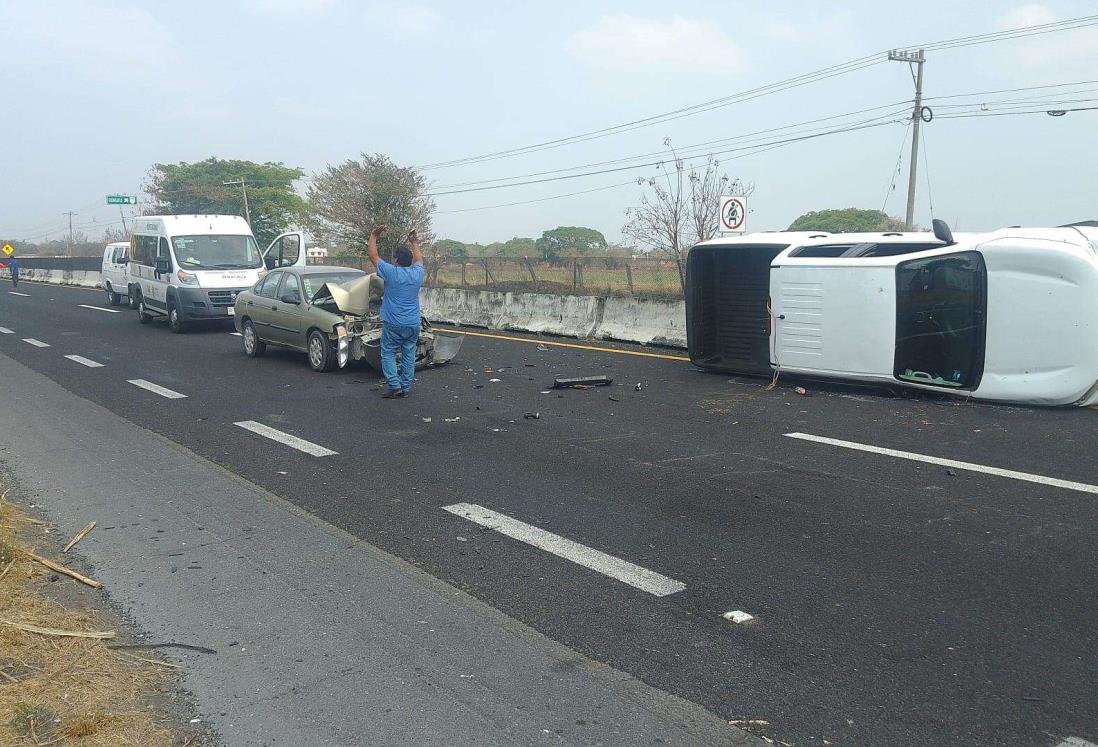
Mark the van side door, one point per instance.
(288, 250)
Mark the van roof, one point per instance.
(180, 224)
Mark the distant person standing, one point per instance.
(13, 265)
(400, 314)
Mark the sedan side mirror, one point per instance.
(292, 298)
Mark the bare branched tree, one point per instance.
(681, 208)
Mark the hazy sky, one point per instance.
(94, 92)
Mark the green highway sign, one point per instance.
(121, 200)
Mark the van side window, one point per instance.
(146, 250)
(162, 250)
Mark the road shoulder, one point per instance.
(319, 636)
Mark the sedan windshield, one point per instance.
(217, 252)
(313, 282)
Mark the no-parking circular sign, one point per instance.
(733, 213)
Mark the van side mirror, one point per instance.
(268, 261)
(942, 232)
(163, 265)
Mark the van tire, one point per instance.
(253, 346)
(142, 316)
(113, 299)
(321, 355)
(131, 296)
(175, 318)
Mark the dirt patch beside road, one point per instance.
(57, 686)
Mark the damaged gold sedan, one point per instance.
(332, 314)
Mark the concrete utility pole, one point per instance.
(244, 189)
(70, 213)
(915, 58)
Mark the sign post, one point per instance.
(733, 216)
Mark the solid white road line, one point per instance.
(36, 343)
(285, 438)
(17, 293)
(1076, 742)
(156, 389)
(608, 565)
(99, 308)
(84, 361)
(6, 331)
(1082, 487)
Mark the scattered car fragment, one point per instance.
(582, 382)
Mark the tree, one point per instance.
(518, 247)
(348, 200)
(569, 241)
(847, 221)
(681, 210)
(190, 188)
(450, 248)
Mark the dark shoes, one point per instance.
(393, 394)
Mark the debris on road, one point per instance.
(79, 536)
(637, 388)
(452, 420)
(738, 616)
(582, 382)
(543, 347)
(749, 722)
(614, 399)
(62, 569)
(800, 390)
(495, 381)
(532, 416)
(426, 420)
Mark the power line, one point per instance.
(896, 170)
(787, 84)
(540, 199)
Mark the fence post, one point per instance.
(575, 274)
(533, 275)
(629, 276)
(463, 283)
(485, 260)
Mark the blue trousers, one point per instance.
(396, 337)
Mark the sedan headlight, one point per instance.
(187, 278)
(343, 347)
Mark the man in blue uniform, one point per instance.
(400, 315)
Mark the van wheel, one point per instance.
(131, 296)
(112, 297)
(143, 316)
(175, 319)
(321, 355)
(253, 346)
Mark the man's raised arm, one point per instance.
(413, 241)
(371, 248)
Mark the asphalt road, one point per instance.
(895, 601)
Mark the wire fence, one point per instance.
(582, 276)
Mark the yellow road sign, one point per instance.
(9, 249)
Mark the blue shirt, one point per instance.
(400, 304)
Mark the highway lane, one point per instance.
(885, 591)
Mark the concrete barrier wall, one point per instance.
(82, 278)
(646, 321)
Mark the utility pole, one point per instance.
(917, 59)
(244, 189)
(70, 213)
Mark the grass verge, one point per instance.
(66, 689)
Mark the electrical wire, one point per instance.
(926, 176)
(896, 170)
(540, 199)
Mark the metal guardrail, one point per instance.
(583, 276)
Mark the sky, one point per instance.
(94, 92)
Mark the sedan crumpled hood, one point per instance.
(354, 297)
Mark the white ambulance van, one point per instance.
(189, 268)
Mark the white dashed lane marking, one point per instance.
(17, 293)
(6, 331)
(1076, 742)
(84, 361)
(596, 560)
(285, 438)
(36, 343)
(236, 333)
(1055, 482)
(156, 389)
(99, 308)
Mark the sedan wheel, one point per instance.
(253, 346)
(321, 357)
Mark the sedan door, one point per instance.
(290, 312)
(259, 306)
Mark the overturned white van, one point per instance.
(1010, 316)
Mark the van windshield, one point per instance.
(216, 251)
